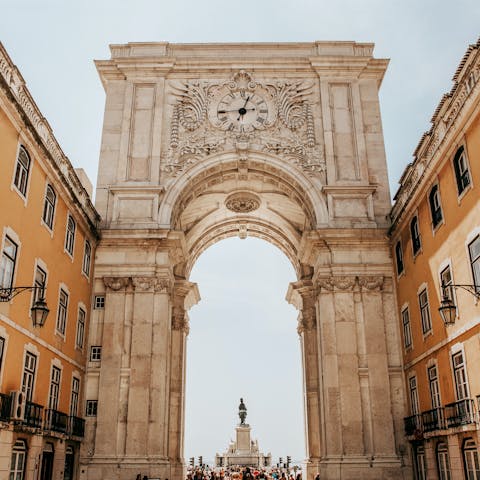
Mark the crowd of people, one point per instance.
(244, 473)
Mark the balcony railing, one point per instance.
(460, 413)
(76, 426)
(413, 424)
(33, 415)
(56, 421)
(5, 407)
(433, 420)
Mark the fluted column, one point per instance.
(302, 294)
(179, 332)
(110, 410)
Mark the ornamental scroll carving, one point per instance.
(349, 283)
(284, 126)
(144, 284)
(116, 284)
(180, 320)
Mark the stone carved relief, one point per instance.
(278, 120)
(163, 285)
(116, 283)
(180, 320)
(242, 202)
(372, 283)
(144, 284)
(348, 283)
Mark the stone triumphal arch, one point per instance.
(279, 141)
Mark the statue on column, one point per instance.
(242, 412)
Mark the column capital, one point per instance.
(115, 284)
(371, 282)
(340, 283)
(302, 295)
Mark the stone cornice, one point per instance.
(144, 59)
(14, 85)
(452, 110)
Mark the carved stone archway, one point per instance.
(184, 164)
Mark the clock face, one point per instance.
(242, 111)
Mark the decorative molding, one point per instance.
(44, 135)
(144, 284)
(163, 285)
(372, 283)
(287, 130)
(242, 202)
(448, 112)
(349, 282)
(116, 284)
(180, 320)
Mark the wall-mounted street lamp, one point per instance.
(448, 309)
(39, 308)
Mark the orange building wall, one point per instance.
(37, 242)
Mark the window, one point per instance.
(474, 249)
(434, 386)
(74, 397)
(54, 388)
(70, 235)
(407, 332)
(424, 311)
(62, 311)
(49, 207)
(17, 464)
(443, 462)
(91, 409)
(415, 234)
(87, 255)
(95, 353)
(399, 257)
(99, 302)
(462, 175)
(435, 207)
(412, 382)
(447, 281)
(2, 349)
(420, 463)
(28, 378)
(80, 328)
(460, 376)
(22, 170)
(7, 264)
(40, 282)
(470, 458)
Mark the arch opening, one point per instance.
(243, 343)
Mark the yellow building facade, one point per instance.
(48, 238)
(435, 237)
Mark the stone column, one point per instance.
(307, 329)
(109, 408)
(179, 332)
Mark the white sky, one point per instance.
(54, 42)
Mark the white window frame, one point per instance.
(80, 333)
(23, 195)
(69, 246)
(466, 168)
(87, 258)
(62, 288)
(434, 385)
(417, 232)
(474, 261)
(91, 408)
(420, 463)
(443, 461)
(399, 258)
(462, 389)
(407, 328)
(413, 394)
(95, 353)
(100, 303)
(74, 396)
(436, 199)
(426, 320)
(49, 209)
(18, 468)
(29, 387)
(10, 261)
(54, 387)
(470, 459)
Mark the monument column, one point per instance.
(302, 294)
(182, 300)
